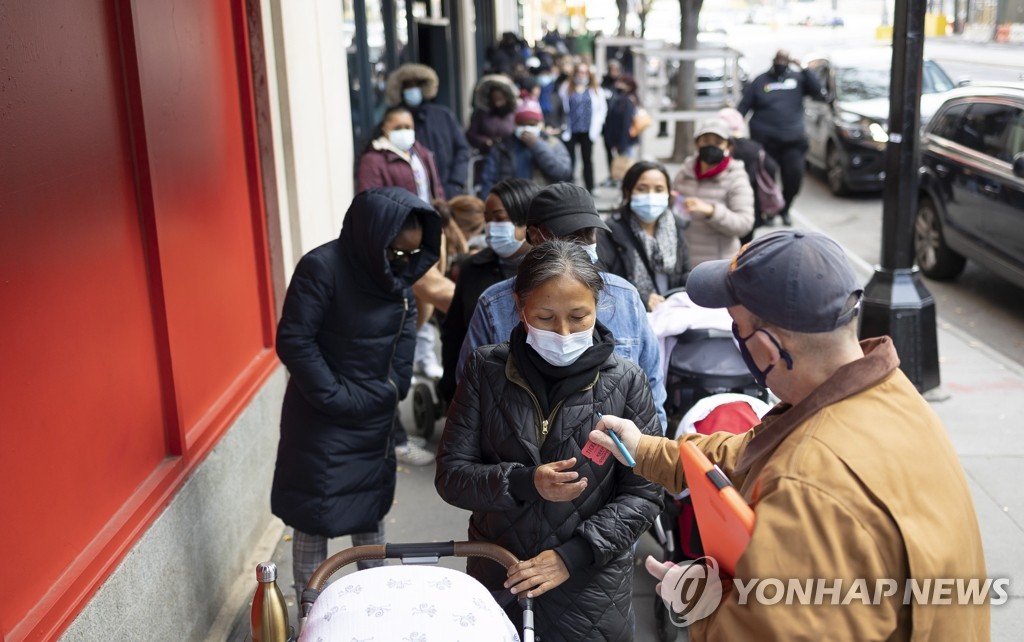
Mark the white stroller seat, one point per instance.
(407, 604)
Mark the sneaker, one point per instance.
(429, 369)
(417, 440)
(412, 455)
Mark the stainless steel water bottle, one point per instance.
(269, 616)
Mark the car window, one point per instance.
(946, 124)
(862, 83)
(987, 127)
(1015, 137)
(933, 79)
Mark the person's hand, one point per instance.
(627, 431)
(537, 576)
(555, 485)
(528, 138)
(698, 206)
(657, 570)
(654, 301)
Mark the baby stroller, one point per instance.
(415, 601)
(704, 370)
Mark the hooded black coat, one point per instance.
(347, 334)
(492, 432)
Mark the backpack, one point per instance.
(769, 196)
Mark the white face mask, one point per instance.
(533, 129)
(402, 138)
(592, 251)
(559, 350)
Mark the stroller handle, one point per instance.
(414, 553)
(486, 550)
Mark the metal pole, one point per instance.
(896, 302)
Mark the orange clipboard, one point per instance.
(723, 517)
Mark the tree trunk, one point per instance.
(623, 6)
(686, 81)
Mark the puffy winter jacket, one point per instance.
(346, 335)
(383, 164)
(437, 128)
(616, 249)
(717, 237)
(545, 163)
(493, 430)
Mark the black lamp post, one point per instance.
(896, 301)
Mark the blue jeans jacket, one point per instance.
(620, 310)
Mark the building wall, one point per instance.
(139, 395)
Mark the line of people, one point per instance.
(544, 329)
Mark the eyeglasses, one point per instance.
(397, 254)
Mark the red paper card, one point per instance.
(599, 454)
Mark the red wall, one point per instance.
(135, 320)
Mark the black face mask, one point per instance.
(711, 154)
(760, 376)
(778, 69)
(398, 265)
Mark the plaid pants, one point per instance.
(310, 551)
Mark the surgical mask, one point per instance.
(711, 154)
(582, 80)
(402, 138)
(592, 251)
(559, 350)
(544, 80)
(778, 69)
(760, 376)
(501, 237)
(533, 129)
(648, 207)
(413, 96)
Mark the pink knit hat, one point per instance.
(528, 109)
(734, 120)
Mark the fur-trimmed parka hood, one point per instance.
(411, 71)
(487, 84)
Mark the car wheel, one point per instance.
(931, 253)
(423, 410)
(835, 172)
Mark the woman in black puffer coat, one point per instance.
(511, 453)
(346, 335)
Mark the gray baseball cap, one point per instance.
(796, 280)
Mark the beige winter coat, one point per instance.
(858, 481)
(717, 237)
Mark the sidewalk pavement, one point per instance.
(982, 407)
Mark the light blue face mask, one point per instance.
(413, 96)
(592, 251)
(648, 207)
(501, 237)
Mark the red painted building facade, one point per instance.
(137, 306)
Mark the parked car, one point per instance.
(971, 201)
(847, 133)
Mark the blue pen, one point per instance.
(621, 446)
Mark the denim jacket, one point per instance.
(619, 309)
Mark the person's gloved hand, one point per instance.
(627, 431)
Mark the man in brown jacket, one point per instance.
(853, 481)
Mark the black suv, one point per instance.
(846, 135)
(972, 184)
